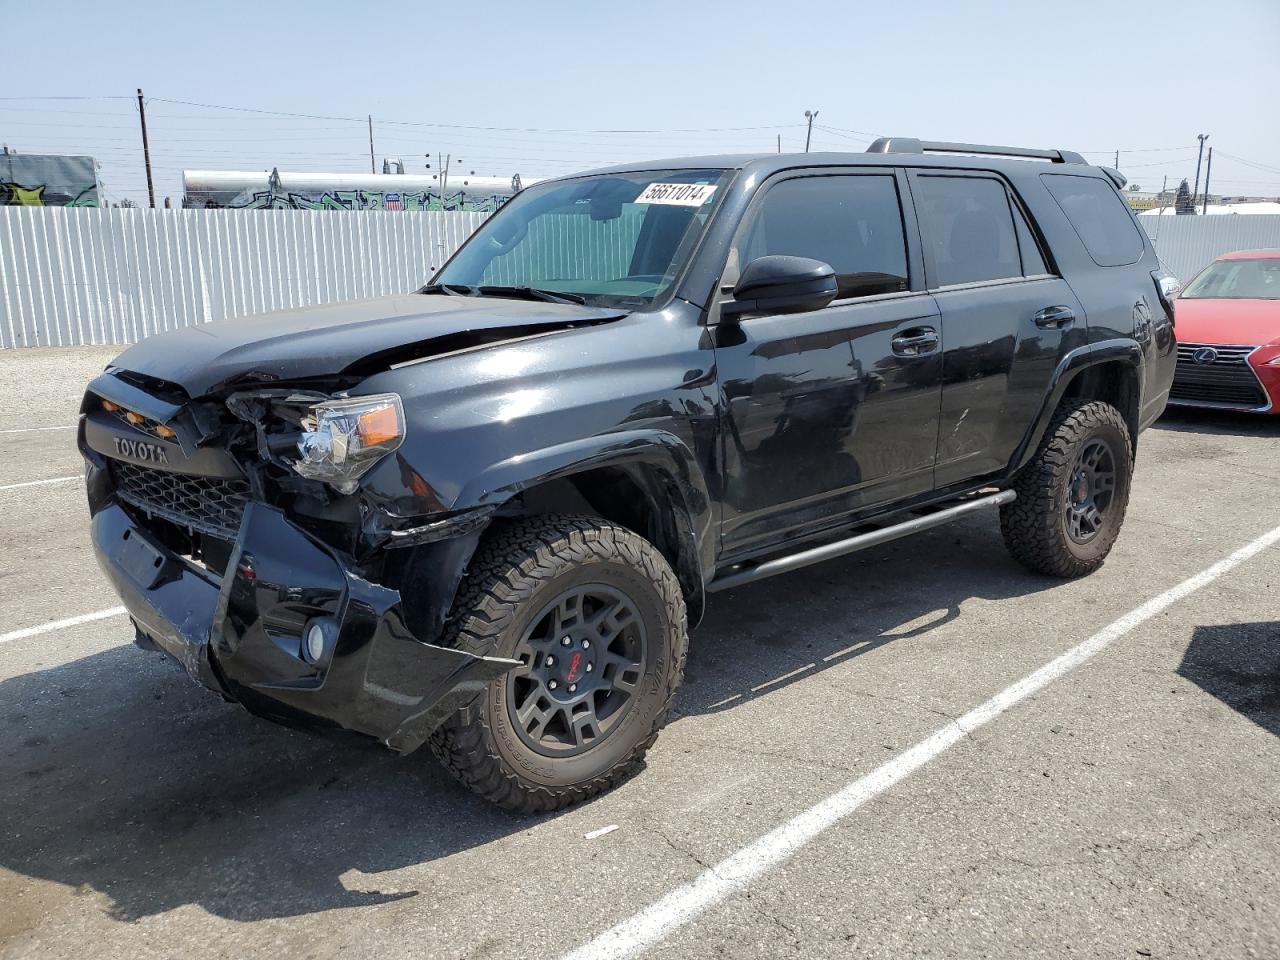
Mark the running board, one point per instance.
(861, 542)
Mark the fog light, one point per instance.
(315, 642)
(318, 639)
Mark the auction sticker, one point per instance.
(678, 194)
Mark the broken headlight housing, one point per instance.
(342, 439)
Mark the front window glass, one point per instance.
(617, 239)
(1237, 280)
(851, 223)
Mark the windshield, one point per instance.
(1237, 280)
(617, 239)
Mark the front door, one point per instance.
(831, 411)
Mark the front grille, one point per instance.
(1227, 380)
(206, 504)
(145, 424)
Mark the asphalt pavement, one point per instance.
(1129, 808)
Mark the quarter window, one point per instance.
(968, 229)
(853, 223)
(1100, 217)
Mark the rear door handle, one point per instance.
(916, 342)
(1054, 318)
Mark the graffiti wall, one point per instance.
(35, 180)
(355, 200)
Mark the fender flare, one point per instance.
(1075, 362)
(671, 463)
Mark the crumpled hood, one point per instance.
(355, 336)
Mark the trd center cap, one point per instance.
(574, 673)
(1082, 490)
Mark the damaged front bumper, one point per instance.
(243, 634)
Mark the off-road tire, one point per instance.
(1034, 525)
(520, 566)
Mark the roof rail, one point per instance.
(911, 145)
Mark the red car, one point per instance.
(1228, 326)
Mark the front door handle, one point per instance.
(915, 342)
(1054, 318)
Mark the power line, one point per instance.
(462, 126)
(1107, 153)
(1249, 163)
(106, 97)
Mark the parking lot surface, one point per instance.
(1130, 808)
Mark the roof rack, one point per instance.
(911, 145)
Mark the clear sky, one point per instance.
(544, 88)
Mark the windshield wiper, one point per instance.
(488, 290)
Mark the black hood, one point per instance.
(357, 337)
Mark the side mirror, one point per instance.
(782, 285)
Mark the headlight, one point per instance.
(342, 439)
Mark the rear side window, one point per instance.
(1100, 217)
(968, 229)
(853, 223)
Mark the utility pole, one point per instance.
(1117, 159)
(1202, 137)
(810, 116)
(779, 143)
(146, 149)
(1207, 170)
(372, 168)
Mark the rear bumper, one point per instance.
(242, 635)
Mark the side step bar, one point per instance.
(860, 542)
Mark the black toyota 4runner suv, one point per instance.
(485, 515)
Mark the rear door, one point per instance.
(830, 411)
(1007, 318)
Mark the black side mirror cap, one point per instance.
(777, 284)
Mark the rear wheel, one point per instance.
(596, 618)
(1072, 496)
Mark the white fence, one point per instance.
(83, 276)
(1187, 245)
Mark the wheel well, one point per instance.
(1112, 382)
(638, 496)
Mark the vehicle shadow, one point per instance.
(1239, 663)
(124, 779)
(760, 638)
(1224, 423)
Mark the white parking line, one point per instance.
(37, 483)
(61, 624)
(39, 429)
(658, 921)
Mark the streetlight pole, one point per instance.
(1207, 170)
(810, 116)
(1202, 137)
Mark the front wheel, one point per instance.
(1072, 496)
(596, 618)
